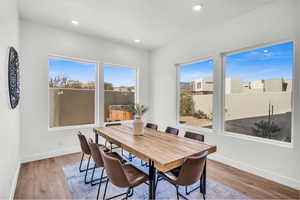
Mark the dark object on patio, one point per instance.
(99, 162)
(191, 171)
(152, 126)
(173, 131)
(13, 77)
(122, 175)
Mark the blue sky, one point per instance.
(86, 72)
(275, 61)
(119, 76)
(80, 71)
(197, 70)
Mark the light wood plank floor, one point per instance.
(44, 179)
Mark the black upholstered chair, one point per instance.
(173, 131)
(152, 126)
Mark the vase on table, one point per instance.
(138, 126)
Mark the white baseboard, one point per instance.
(293, 183)
(41, 156)
(14, 182)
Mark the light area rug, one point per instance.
(165, 191)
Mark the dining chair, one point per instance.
(190, 172)
(151, 126)
(106, 141)
(130, 156)
(194, 136)
(122, 175)
(173, 131)
(97, 157)
(85, 149)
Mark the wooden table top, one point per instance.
(166, 150)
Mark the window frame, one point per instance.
(96, 112)
(189, 127)
(102, 91)
(293, 93)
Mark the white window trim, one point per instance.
(189, 127)
(136, 93)
(294, 95)
(60, 128)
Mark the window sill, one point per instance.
(260, 140)
(195, 129)
(73, 127)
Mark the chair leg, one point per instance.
(102, 179)
(177, 192)
(100, 183)
(105, 189)
(156, 182)
(144, 164)
(196, 188)
(125, 193)
(81, 170)
(129, 157)
(87, 169)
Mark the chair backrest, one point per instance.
(96, 155)
(84, 144)
(173, 131)
(195, 136)
(114, 124)
(152, 126)
(192, 170)
(114, 170)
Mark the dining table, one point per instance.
(160, 150)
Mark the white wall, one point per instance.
(37, 42)
(9, 119)
(274, 22)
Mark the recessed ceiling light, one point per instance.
(197, 7)
(137, 41)
(75, 22)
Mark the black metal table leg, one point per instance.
(203, 181)
(96, 138)
(152, 173)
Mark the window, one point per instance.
(119, 93)
(258, 92)
(196, 94)
(71, 92)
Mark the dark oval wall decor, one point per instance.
(13, 77)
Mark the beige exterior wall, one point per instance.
(77, 106)
(246, 105)
(273, 85)
(71, 107)
(206, 84)
(234, 85)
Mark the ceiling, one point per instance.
(154, 22)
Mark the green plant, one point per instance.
(200, 115)
(265, 129)
(137, 110)
(186, 105)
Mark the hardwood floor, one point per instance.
(44, 179)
